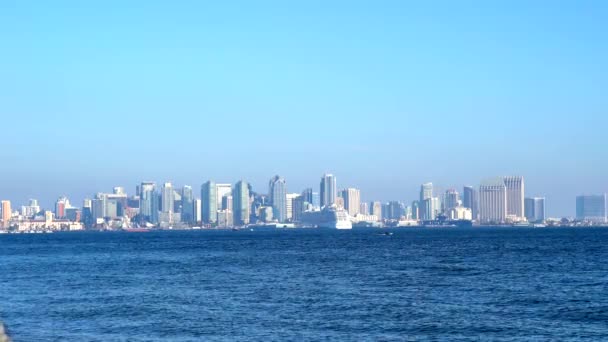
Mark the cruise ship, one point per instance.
(329, 217)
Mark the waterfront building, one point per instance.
(187, 205)
(515, 197)
(224, 218)
(470, 201)
(376, 208)
(227, 202)
(534, 209)
(167, 198)
(451, 199)
(277, 190)
(352, 200)
(266, 214)
(148, 202)
(364, 208)
(222, 190)
(209, 202)
(198, 217)
(31, 209)
(240, 198)
(60, 206)
(426, 193)
(493, 201)
(290, 198)
(328, 190)
(430, 208)
(6, 213)
(312, 197)
(591, 208)
(416, 210)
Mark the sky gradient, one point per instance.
(384, 94)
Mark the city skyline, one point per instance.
(388, 96)
(439, 199)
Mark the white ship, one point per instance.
(329, 217)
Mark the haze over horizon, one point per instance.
(385, 95)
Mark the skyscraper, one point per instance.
(60, 207)
(167, 198)
(240, 198)
(493, 201)
(209, 202)
(290, 198)
(328, 190)
(187, 204)
(311, 197)
(222, 190)
(591, 208)
(470, 201)
(515, 197)
(376, 208)
(452, 199)
(352, 200)
(416, 210)
(6, 213)
(534, 209)
(426, 193)
(277, 190)
(148, 202)
(364, 208)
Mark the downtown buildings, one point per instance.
(592, 208)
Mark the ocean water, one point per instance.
(433, 284)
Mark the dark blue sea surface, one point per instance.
(437, 284)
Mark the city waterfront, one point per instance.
(294, 284)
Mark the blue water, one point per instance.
(441, 284)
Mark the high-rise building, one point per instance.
(198, 217)
(209, 202)
(312, 197)
(493, 201)
(451, 200)
(426, 193)
(167, 198)
(60, 207)
(240, 199)
(277, 190)
(535, 209)
(364, 208)
(515, 197)
(416, 210)
(470, 201)
(227, 202)
(148, 202)
(394, 210)
(328, 190)
(352, 200)
(222, 190)
(6, 213)
(290, 198)
(591, 208)
(430, 208)
(187, 205)
(376, 208)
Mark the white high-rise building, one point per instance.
(328, 190)
(352, 201)
(167, 200)
(493, 201)
(515, 197)
(277, 190)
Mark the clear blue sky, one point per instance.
(384, 94)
